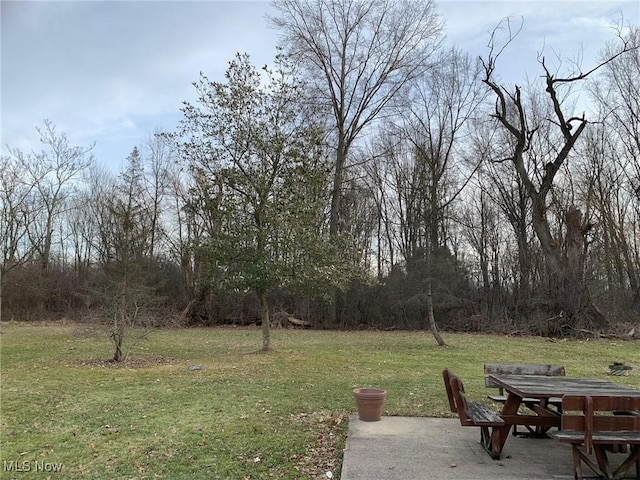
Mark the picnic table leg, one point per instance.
(499, 435)
(634, 458)
(490, 442)
(543, 411)
(537, 431)
(603, 460)
(577, 463)
(542, 431)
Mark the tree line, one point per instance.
(372, 177)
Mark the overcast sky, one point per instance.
(111, 72)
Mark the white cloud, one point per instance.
(112, 71)
(566, 30)
(103, 69)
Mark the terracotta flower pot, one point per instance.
(369, 401)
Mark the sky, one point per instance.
(112, 72)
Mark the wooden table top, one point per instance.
(557, 386)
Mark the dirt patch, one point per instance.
(135, 362)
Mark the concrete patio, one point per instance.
(410, 448)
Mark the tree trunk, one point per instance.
(118, 339)
(565, 264)
(338, 178)
(431, 317)
(483, 253)
(186, 312)
(1, 272)
(266, 328)
(334, 220)
(575, 290)
(635, 302)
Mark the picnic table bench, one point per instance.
(471, 413)
(597, 424)
(493, 426)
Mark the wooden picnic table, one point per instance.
(519, 387)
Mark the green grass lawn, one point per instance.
(245, 414)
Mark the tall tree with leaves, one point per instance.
(257, 160)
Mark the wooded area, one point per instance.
(373, 177)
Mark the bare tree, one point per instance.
(82, 233)
(431, 118)
(36, 188)
(188, 235)
(501, 184)
(481, 225)
(603, 187)
(617, 90)
(615, 149)
(52, 173)
(359, 54)
(158, 155)
(564, 257)
(378, 179)
(129, 281)
(16, 218)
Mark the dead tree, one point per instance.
(564, 260)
